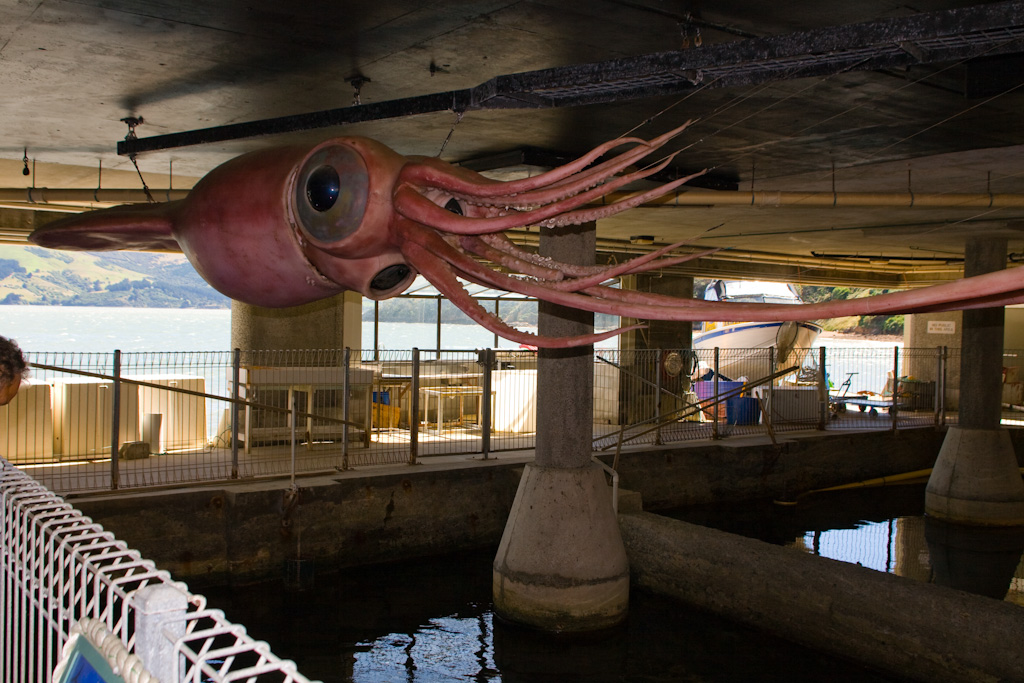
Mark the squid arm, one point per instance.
(443, 278)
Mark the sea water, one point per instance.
(433, 620)
(96, 329)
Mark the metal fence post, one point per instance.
(937, 398)
(236, 364)
(414, 408)
(485, 403)
(159, 622)
(657, 396)
(115, 422)
(895, 385)
(714, 412)
(439, 300)
(822, 389)
(344, 408)
(376, 331)
(293, 407)
(945, 366)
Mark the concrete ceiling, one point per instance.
(941, 124)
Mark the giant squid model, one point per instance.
(290, 225)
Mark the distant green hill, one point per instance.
(32, 275)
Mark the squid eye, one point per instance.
(390, 277)
(322, 188)
(454, 206)
(331, 192)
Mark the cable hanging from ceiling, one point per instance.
(132, 122)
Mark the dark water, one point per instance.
(845, 525)
(432, 620)
(885, 529)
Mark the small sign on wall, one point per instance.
(941, 327)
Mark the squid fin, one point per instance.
(139, 227)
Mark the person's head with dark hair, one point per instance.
(13, 369)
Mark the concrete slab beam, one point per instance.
(918, 630)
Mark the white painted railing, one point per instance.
(59, 571)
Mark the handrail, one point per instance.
(191, 392)
(694, 408)
(615, 483)
(636, 375)
(46, 541)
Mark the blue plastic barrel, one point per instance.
(706, 389)
(743, 410)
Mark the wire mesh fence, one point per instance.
(62, 575)
(178, 418)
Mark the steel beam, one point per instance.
(933, 37)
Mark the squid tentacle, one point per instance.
(474, 245)
(587, 215)
(468, 268)
(441, 276)
(502, 243)
(997, 288)
(571, 188)
(555, 279)
(428, 176)
(414, 206)
(638, 264)
(481, 188)
(549, 197)
(572, 185)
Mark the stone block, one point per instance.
(134, 450)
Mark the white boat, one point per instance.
(741, 344)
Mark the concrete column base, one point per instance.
(976, 480)
(561, 564)
(332, 323)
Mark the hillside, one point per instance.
(32, 275)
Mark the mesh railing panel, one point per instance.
(175, 409)
(57, 568)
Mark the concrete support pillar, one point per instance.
(565, 377)
(660, 334)
(638, 400)
(930, 331)
(561, 564)
(332, 323)
(976, 479)
(981, 360)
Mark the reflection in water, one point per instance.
(979, 560)
(883, 529)
(432, 620)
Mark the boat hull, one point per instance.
(741, 346)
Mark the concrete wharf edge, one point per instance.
(244, 532)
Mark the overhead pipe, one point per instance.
(914, 477)
(691, 197)
(40, 198)
(750, 256)
(36, 196)
(49, 208)
(769, 198)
